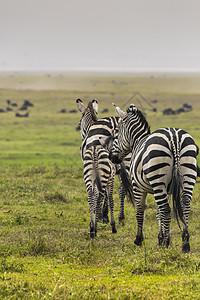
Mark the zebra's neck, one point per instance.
(86, 123)
(85, 130)
(138, 144)
(138, 129)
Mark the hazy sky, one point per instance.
(126, 35)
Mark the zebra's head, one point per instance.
(132, 127)
(121, 144)
(89, 115)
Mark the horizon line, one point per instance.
(101, 70)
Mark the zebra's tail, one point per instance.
(127, 184)
(176, 188)
(177, 182)
(97, 181)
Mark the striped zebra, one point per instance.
(99, 172)
(123, 170)
(163, 163)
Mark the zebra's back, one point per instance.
(101, 129)
(97, 167)
(153, 164)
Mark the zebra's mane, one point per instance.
(141, 117)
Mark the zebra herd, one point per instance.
(162, 163)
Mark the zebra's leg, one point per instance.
(111, 204)
(92, 227)
(98, 209)
(91, 203)
(186, 210)
(105, 210)
(165, 219)
(160, 234)
(185, 241)
(122, 194)
(141, 206)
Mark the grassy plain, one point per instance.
(45, 249)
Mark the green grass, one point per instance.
(45, 249)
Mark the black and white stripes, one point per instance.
(162, 163)
(99, 171)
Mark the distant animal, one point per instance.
(72, 111)
(8, 108)
(23, 107)
(168, 111)
(163, 163)
(63, 111)
(105, 110)
(26, 104)
(185, 108)
(26, 115)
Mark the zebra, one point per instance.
(99, 172)
(123, 170)
(163, 163)
(99, 175)
(95, 131)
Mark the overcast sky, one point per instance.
(111, 35)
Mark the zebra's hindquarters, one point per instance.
(170, 166)
(99, 176)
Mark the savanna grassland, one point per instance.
(45, 249)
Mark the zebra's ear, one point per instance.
(95, 105)
(120, 112)
(131, 108)
(80, 105)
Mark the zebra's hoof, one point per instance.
(167, 242)
(121, 220)
(186, 248)
(92, 235)
(114, 230)
(138, 240)
(160, 239)
(105, 219)
(186, 243)
(160, 242)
